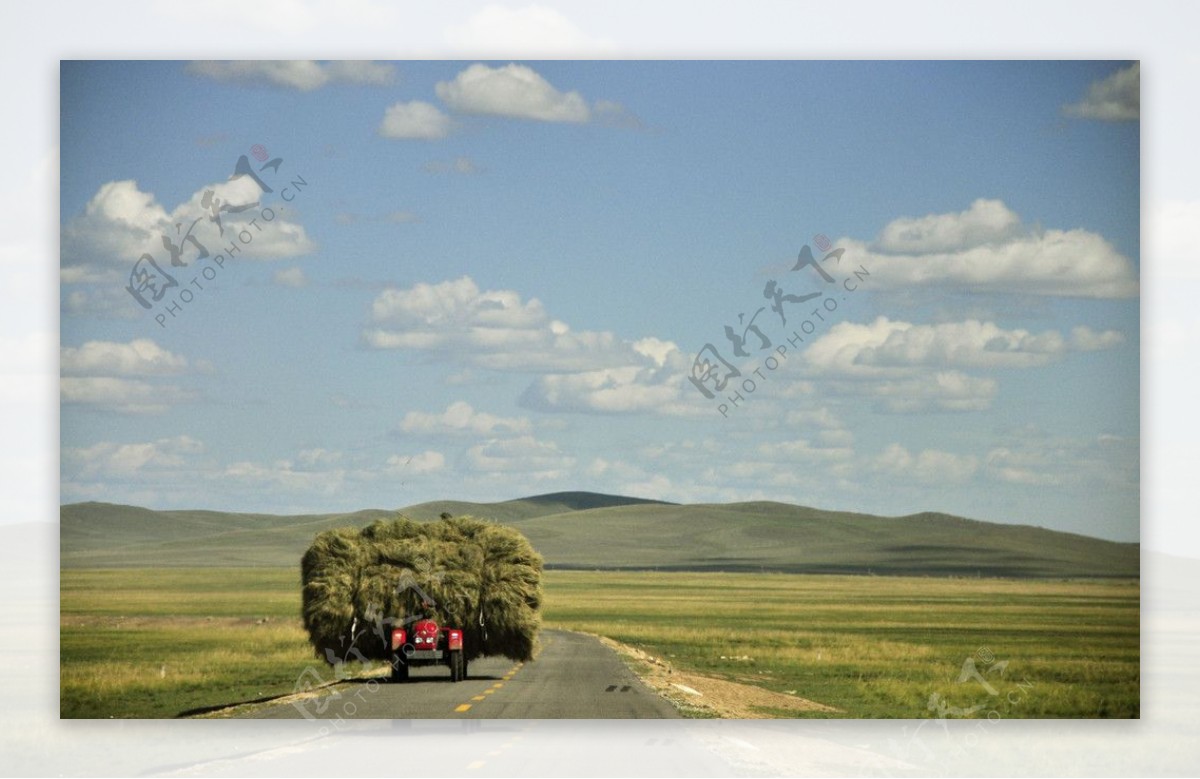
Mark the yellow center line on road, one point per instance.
(462, 707)
(498, 684)
(477, 698)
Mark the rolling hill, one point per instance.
(592, 531)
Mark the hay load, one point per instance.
(479, 576)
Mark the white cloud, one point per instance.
(656, 383)
(986, 221)
(285, 475)
(985, 249)
(659, 389)
(912, 368)
(460, 417)
(493, 329)
(515, 91)
(97, 374)
(1085, 339)
(803, 450)
(1016, 467)
(428, 461)
(290, 277)
(311, 458)
(941, 391)
(108, 459)
(415, 120)
(304, 75)
(139, 357)
(103, 301)
(820, 418)
(524, 454)
(1029, 456)
(881, 347)
(121, 222)
(126, 396)
(532, 28)
(1116, 98)
(930, 466)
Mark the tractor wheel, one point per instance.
(464, 667)
(456, 666)
(399, 669)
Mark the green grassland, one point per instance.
(157, 642)
(879, 646)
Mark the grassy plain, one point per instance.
(152, 642)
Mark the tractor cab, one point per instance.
(427, 644)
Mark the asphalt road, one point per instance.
(573, 677)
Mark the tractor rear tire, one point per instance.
(399, 669)
(464, 668)
(456, 666)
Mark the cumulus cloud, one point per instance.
(883, 345)
(1031, 457)
(986, 221)
(460, 417)
(304, 75)
(1020, 467)
(584, 371)
(524, 454)
(912, 368)
(657, 386)
(493, 329)
(915, 393)
(514, 91)
(102, 301)
(428, 461)
(930, 466)
(804, 450)
(987, 249)
(415, 120)
(285, 475)
(109, 459)
(1117, 98)
(139, 357)
(290, 277)
(530, 28)
(121, 222)
(126, 396)
(111, 376)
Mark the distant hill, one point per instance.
(527, 508)
(593, 531)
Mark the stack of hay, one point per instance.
(482, 577)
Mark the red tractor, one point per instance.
(428, 644)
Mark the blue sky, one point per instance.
(498, 274)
